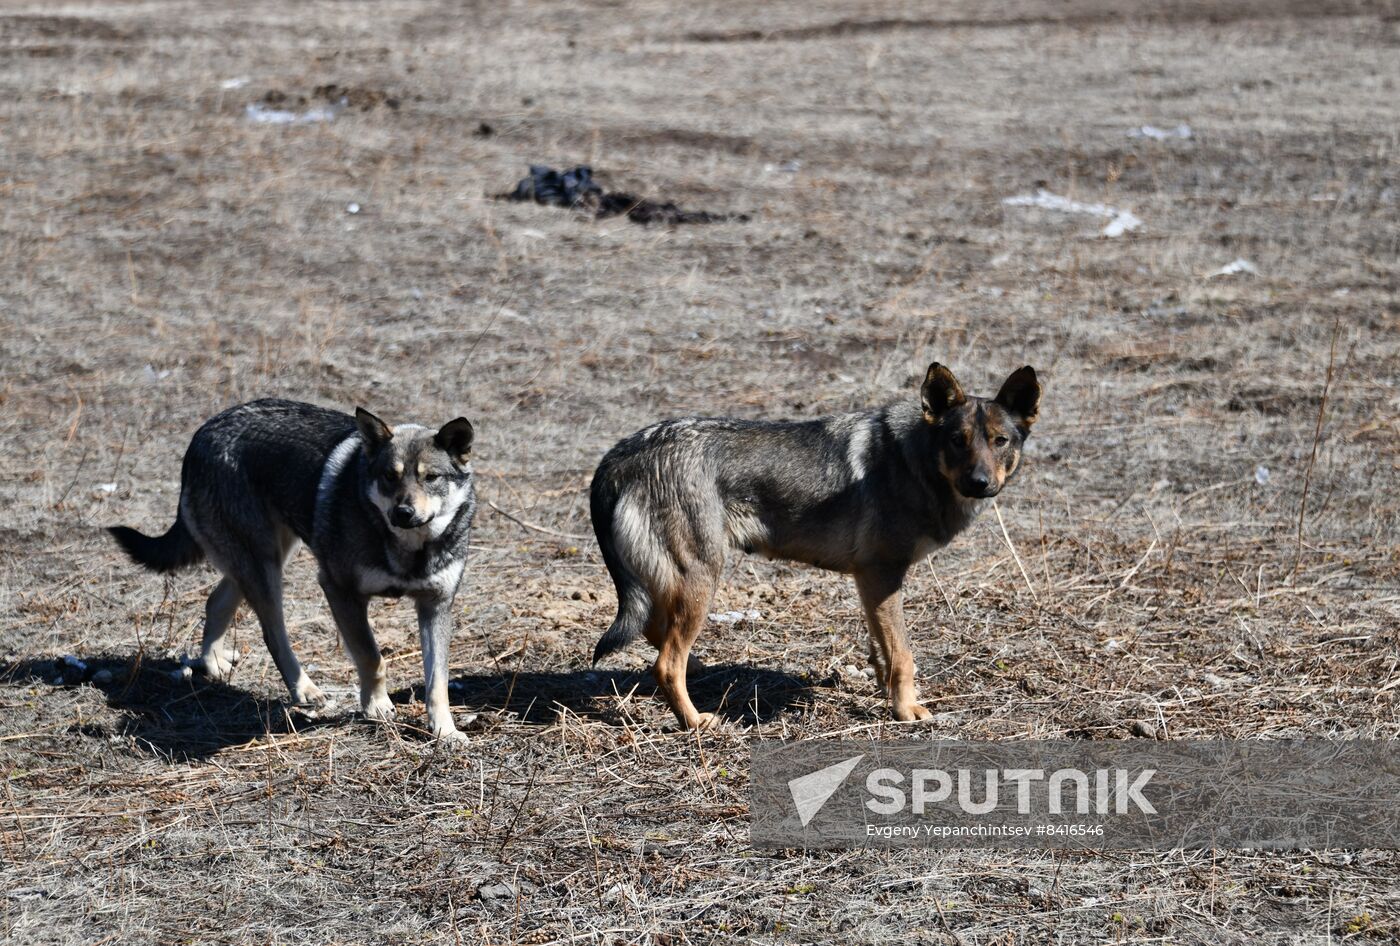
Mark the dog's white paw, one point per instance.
(445, 729)
(453, 739)
(217, 664)
(308, 695)
(378, 708)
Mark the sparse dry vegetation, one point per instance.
(163, 256)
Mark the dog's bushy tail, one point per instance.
(634, 607)
(633, 601)
(173, 551)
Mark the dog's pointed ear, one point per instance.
(455, 439)
(1020, 394)
(374, 430)
(940, 392)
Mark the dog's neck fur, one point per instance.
(348, 453)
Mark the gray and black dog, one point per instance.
(869, 493)
(386, 512)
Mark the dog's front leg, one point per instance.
(435, 632)
(351, 612)
(878, 663)
(883, 599)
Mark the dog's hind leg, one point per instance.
(261, 582)
(216, 657)
(884, 613)
(351, 612)
(684, 617)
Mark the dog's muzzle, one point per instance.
(978, 487)
(405, 517)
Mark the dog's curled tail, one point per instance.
(173, 551)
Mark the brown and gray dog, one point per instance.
(869, 493)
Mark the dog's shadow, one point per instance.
(166, 710)
(735, 693)
(180, 717)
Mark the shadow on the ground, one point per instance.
(187, 718)
(168, 714)
(736, 693)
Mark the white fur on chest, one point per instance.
(372, 580)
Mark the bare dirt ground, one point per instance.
(163, 256)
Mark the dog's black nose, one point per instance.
(980, 486)
(403, 517)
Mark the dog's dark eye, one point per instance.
(432, 477)
(1001, 440)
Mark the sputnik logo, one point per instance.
(811, 792)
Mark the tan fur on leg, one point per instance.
(884, 613)
(687, 617)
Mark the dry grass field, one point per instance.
(1207, 524)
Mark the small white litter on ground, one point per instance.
(106, 487)
(352, 208)
(1182, 131)
(734, 617)
(260, 114)
(1119, 221)
(236, 83)
(154, 376)
(1261, 475)
(1237, 267)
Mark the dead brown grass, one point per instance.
(144, 222)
